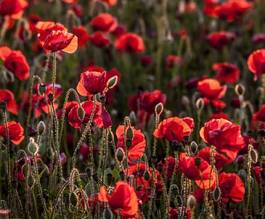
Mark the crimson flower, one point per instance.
(82, 34)
(104, 22)
(130, 42)
(13, 8)
(7, 98)
(226, 72)
(232, 187)
(219, 40)
(12, 131)
(15, 62)
(256, 62)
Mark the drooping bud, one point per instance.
(159, 108)
(200, 104)
(216, 194)
(107, 213)
(41, 127)
(194, 147)
(191, 202)
(240, 90)
(81, 113)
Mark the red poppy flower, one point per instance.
(144, 177)
(94, 80)
(99, 39)
(41, 98)
(12, 131)
(226, 72)
(122, 200)
(212, 91)
(149, 99)
(219, 115)
(219, 40)
(258, 118)
(179, 212)
(54, 37)
(232, 187)
(168, 166)
(209, 7)
(7, 97)
(74, 118)
(256, 62)
(220, 159)
(197, 169)
(137, 143)
(224, 135)
(104, 22)
(13, 8)
(174, 128)
(172, 60)
(232, 9)
(15, 62)
(82, 34)
(110, 2)
(130, 42)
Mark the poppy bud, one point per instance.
(147, 175)
(107, 213)
(119, 154)
(133, 117)
(193, 147)
(50, 98)
(42, 89)
(33, 147)
(191, 202)
(81, 113)
(217, 194)
(41, 127)
(240, 89)
(159, 108)
(197, 161)
(112, 82)
(129, 133)
(199, 104)
(185, 101)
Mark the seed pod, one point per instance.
(217, 194)
(191, 202)
(159, 108)
(33, 147)
(120, 154)
(81, 113)
(41, 127)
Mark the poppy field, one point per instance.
(132, 109)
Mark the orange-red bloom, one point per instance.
(110, 2)
(256, 62)
(54, 37)
(122, 200)
(226, 72)
(99, 39)
(197, 169)
(15, 62)
(13, 8)
(232, 187)
(212, 91)
(130, 42)
(137, 143)
(224, 135)
(219, 40)
(104, 22)
(12, 131)
(258, 118)
(174, 128)
(7, 98)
